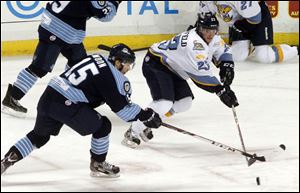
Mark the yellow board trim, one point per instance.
(25, 47)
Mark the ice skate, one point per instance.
(11, 106)
(8, 161)
(104, 169)
(146, 135)
(130, 140)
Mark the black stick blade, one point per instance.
(251, 161)
(254, 158)
(261, 158)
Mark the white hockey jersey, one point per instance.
(231, 11)
(189, 56)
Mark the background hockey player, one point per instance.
(249, 22)
(71, 98)
(62, 30)
(169, 64)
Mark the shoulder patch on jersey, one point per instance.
(127, 86)
(147, 59)
(198, 46)
(127, 89)
(101, 3)
(224, 11)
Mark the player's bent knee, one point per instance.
(104, 129)
(37, 71)
(264, 54)
(240, 50)
(183, 105)
(37, 140)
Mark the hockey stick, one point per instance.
(140, 49)
(104, 47)
(240, 133)
(107, 48)
(252, 159)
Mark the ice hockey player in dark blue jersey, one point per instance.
(71, 98)
(62, 30)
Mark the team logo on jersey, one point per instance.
(52, 38)
(127, 89)
(127, 86)
(125, 50)
(101, 3)
(224, 12)
(68, 102)
(200, 57)
(147, 58)
(198, 46)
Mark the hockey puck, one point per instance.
(258, 181)
(282, 146)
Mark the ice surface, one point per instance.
(268, 114)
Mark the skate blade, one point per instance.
(13, 113)
(3, 170)
(128, 143)
(144, 138)
(102, 175)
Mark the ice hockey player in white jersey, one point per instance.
(249, 22)
(169, 64)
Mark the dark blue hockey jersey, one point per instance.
(67, 19)
(95, 81)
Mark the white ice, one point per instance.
(268, 115)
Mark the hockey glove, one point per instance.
(226, 72)
(245, 26)
(152, 119)
(227, 96)
(241, 30)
